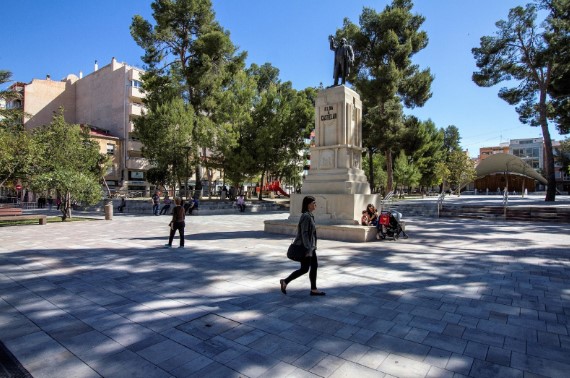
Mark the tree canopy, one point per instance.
(525, 54)
(384, 75)
(188, 55)
(67, 160)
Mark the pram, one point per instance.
(390, 225)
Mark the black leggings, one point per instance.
(308, 262)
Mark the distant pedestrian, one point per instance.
(177, 223)
(123, 204)
(155, 203)
(306, 236)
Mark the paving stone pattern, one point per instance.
(459, 298)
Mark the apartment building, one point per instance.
(485, 152)
(107, 100)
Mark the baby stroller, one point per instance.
(390, 225)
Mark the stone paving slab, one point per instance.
(459, 298)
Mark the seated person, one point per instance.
(240, 202)
(166, 207)
(191, 206)
(187, 205)
(369, 216)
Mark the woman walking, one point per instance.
(306, 236)
(177, 223)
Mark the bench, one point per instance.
(15, 214)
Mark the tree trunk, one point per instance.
(261, 185)
(549, 168)
(66, 207)
(389, 171)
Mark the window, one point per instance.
(136, 175)
(136, 84)
(527, 152)
(110, 149)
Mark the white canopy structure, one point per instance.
(507, 163)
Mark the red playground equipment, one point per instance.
(274, 186)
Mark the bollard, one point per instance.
(108, 209)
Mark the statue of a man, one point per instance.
(343, 58)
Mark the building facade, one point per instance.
(107, 100)
(485, 152)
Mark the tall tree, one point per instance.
(520, 52)
(280, 120)
(10, 117)
(384, 44)
(461, 170)
(166, 134)
(374, 167)
(66, 160)
(557, 35)
(231, 152)
(406, 173)
(453, 157)
(424, 144)
(188, 45)
(15, 143)
(451, 140)
(15, 155)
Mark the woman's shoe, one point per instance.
(283, 286)
(318, 293)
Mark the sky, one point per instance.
(62, 37)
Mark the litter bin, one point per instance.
(108, 207)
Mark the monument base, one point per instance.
(334, 209)
(347, 233)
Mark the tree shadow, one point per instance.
(212, 307)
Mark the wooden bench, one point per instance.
(15, 214)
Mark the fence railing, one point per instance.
(440, 199)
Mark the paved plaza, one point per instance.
(459, 298)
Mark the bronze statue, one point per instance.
(343, 58)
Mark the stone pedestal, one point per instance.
(345, 209)
(336, 156)
(336, 178)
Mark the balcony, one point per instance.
(135, 109)
(131, 127)
(136, 92)
(137, 163)
(134, 145)
(135, 75)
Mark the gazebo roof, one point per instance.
(507, 163)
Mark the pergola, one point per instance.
(508, 164)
